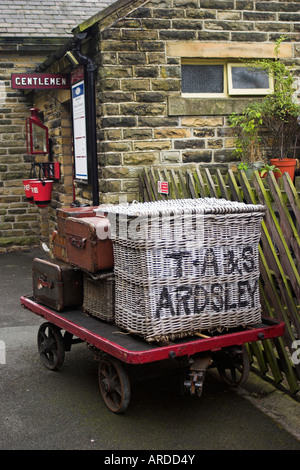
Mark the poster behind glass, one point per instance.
(79, 131)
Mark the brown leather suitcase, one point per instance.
(56, 284)
(65, 212)
(88, 243)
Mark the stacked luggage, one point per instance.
(81, 273)
(59, 239)
(161, 270)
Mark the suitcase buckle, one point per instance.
(43, 282)
(77, 242)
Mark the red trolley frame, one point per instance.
(110, 341)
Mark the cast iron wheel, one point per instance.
(114, 385)
(234, 366)
(51, 346)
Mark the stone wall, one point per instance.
(57, 117)
(19, 221)
(143, 119)
(22, 225)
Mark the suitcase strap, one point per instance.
(77, 242)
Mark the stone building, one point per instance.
(30, 30)
(151, 108)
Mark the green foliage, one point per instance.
(266, 168)
(243, 166)
(269, 126)
(247, 138)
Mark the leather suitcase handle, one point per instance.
(77, 242)
(43, 282)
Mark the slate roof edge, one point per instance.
(101, 15)
(83, 27)
(23, 43)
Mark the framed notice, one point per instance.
(79, 130)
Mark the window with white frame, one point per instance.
(220, 78)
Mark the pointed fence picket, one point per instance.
(277, 358)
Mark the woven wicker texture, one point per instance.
(99, 297)
(203, 205)
(175, 282)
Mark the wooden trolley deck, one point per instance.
(112, 347)
(133, 349)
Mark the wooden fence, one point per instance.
(279, 252)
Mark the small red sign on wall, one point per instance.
(40, 81)
(163, 187)
(77, 75)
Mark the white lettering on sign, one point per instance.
(40, 81)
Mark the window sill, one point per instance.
(180, 106)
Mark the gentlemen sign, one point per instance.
(40, 81)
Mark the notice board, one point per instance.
(79, 125)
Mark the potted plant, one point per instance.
(246, 128)
(266, 168)
(280, 129)
(274, 119)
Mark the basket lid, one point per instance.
(204, 205)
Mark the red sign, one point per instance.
(77, 75)
(40, 81)
(163, 187)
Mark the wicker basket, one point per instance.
(172, 282)
(223, 241)
(99, 296)
(171, 311)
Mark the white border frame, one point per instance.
(79, 132)
(246, 91)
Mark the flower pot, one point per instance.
(42, 191)
(285, 165)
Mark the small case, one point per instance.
(64, 212)
(56, 284)
(88, 243)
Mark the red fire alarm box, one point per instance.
(36, 135)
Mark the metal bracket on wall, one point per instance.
(48, 170)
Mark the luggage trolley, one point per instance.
(115, 350)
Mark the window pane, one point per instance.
(245, 78)
(202, 79)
